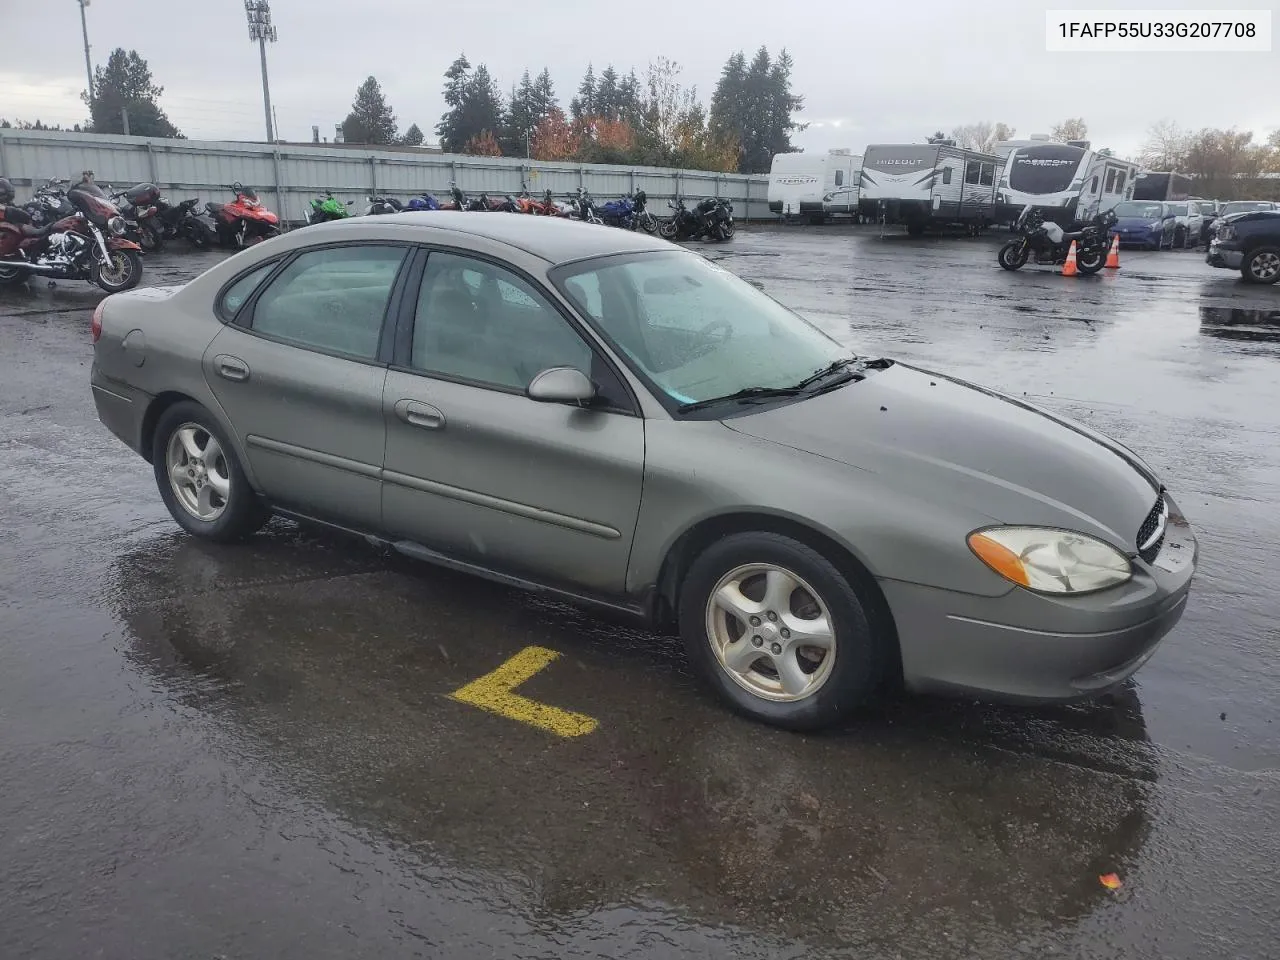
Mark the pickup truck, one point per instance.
(1250, 243)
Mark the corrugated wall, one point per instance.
(288, 177)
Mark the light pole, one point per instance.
(262, 30)
(88, 68)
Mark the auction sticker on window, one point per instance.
(1157, 31)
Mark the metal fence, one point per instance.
(295, 174)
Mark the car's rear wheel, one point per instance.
(779, 632)
(1261, 265)
(200, 478)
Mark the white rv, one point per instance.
(814, 185)
(1064, 181)
(921, 183)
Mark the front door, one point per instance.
(477, 470)
(297, 375)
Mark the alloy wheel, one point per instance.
(771, 632)
(198, 472)
(1266, 266)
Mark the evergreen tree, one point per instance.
(754, 106)
(413, 137)
(608, 94)
(584, 104)
(125, 83)
(522, 118)
(449, 129)
(370, 119)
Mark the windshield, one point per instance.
(692, 329)
(1134, 208)
(1246, 206)
(1178, 209)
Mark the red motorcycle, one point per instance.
(244, 222)
(87, 244)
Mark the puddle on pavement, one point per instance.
(1234, 323)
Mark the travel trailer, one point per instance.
(918, 184)
(814, 185)
(1065, 181)
(1162, 185)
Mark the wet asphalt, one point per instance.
(249, 751)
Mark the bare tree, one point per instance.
(1166, 147)
(981, 136)
(1073, 128)
(1225, 162)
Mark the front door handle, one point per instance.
(231, 368)
(419, 414)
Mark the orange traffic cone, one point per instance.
(1113, 258)
(1069, 268)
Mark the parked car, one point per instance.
(1145, 223)
(1239, 206)
(1250, 243)
(1189, 225)
(619, 421)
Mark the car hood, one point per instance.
(1128, 223)
(942, 439)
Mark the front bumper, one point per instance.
(1030, 647)
(1139, 236)
(121, 408)
(1222, 253)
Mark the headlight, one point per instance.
(1049, 560)
(116, 226)
(1226, 232)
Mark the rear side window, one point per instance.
(839, 178)
(988, 174)
(240, 291)
(332, 299)
(972, 170)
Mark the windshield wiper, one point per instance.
(745, 395)
(833, 367)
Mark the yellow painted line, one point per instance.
(495, 692)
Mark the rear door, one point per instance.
(300, 377)
(478, 471)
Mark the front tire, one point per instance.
(727, 230)
(200, 478)
(1261, 265)
(123, 273)
(1088, 263)
(1013, 255)
(779, 633)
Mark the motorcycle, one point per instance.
(382, 206)
(1049, 243)
(49, 204)
(424, 201)
(182, 221)
(641, 218)
(711, 218)
(88, 244)
(323, 210)
(140, 207)
(245, 221)
(618, 213)
(583, 207)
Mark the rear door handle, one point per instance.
(231, 368)
(419, 414)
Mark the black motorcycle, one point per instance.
(141, 206)
(583, 207)
(711, 218)
(185, 222)
(49, 204)
(379, 206)
(1050, 244)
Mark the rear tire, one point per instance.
(767, 672)
(240, 513)
(1261, 265)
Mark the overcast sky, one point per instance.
(870, 72)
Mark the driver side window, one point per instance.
(481, 323)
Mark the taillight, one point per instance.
(96, 326)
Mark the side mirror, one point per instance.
(561, 385)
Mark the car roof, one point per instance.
(554, 239)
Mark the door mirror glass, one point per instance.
(561, 385)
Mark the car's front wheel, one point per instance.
(1261, 265)
(779, 632)
(200, 478)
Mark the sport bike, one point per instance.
(326, 208)
(245, 221)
